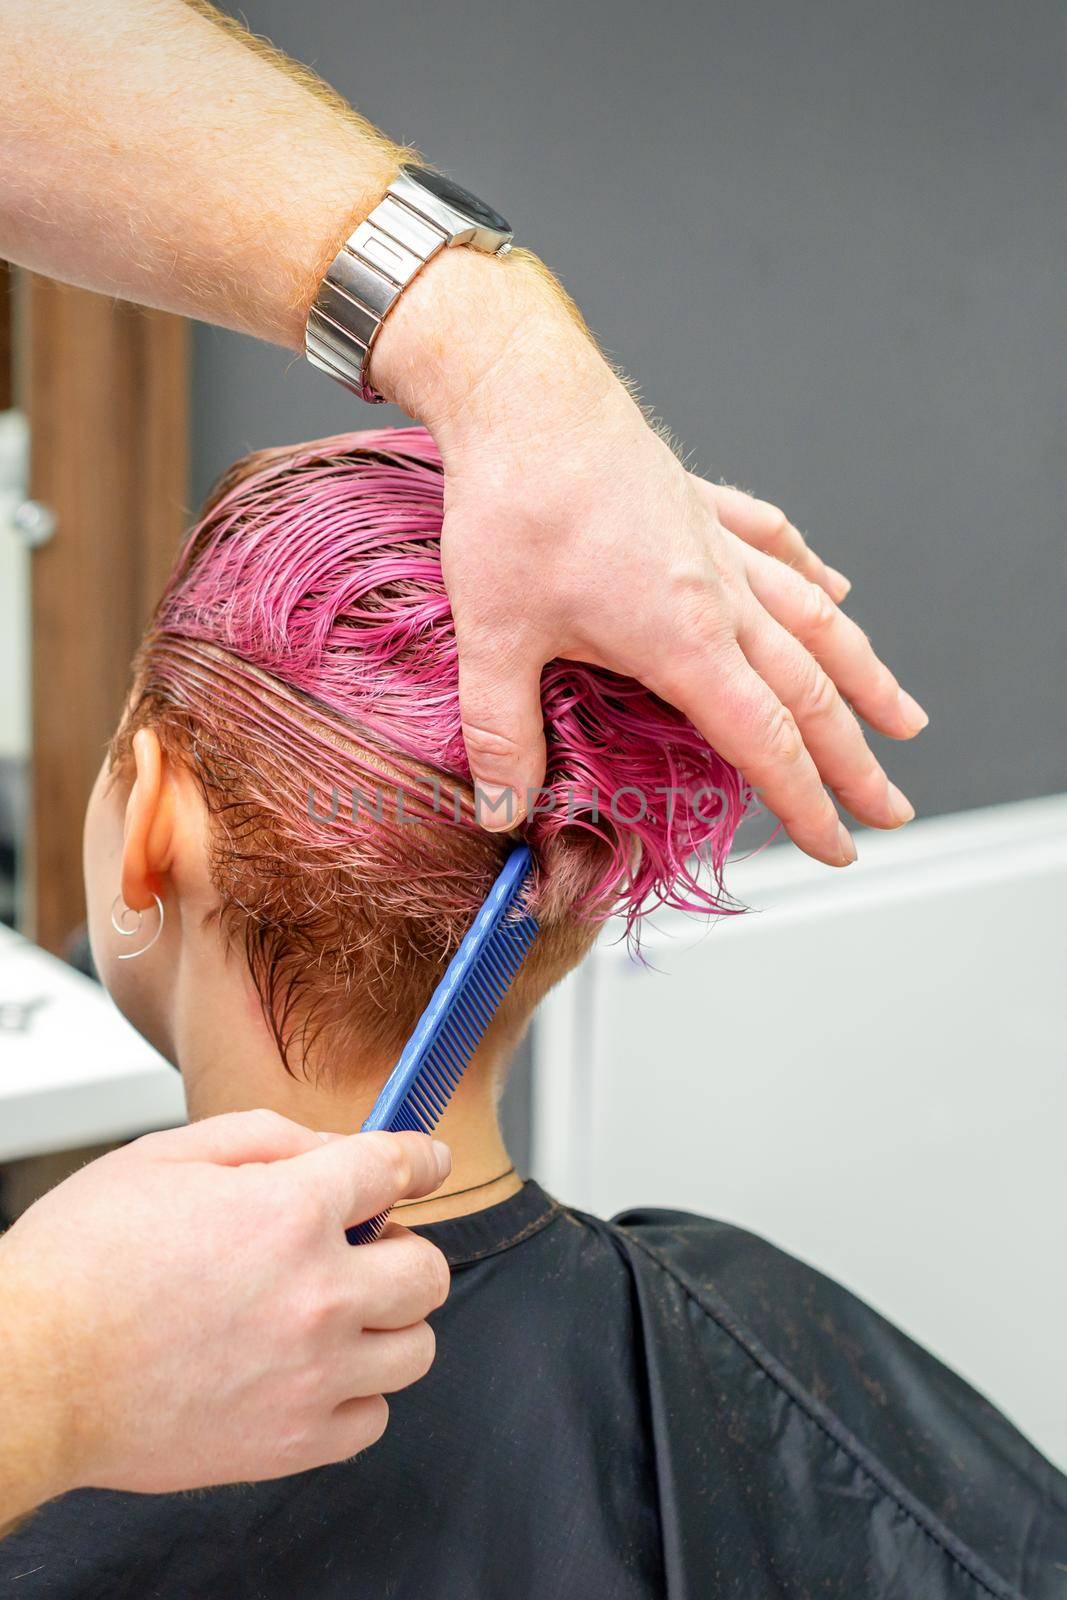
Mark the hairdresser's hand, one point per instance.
(186, 1311)
(572, 530)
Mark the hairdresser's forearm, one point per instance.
(150, 151)
(147, 152)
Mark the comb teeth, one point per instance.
(473, 1007)
(455, 1021)
(367, 1232)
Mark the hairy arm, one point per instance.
(152, 150)
(155, 151)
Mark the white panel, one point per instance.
(72, 1070)
(870, 1071)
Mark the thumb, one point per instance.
(232, 1139)
(503, 729)
(367, 1173)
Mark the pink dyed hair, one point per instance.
(322, 569)
(305, 639)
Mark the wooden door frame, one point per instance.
(105, 386)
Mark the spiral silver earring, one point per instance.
(121, 922)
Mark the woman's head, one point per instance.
(294, 717)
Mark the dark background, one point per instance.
(828, 240)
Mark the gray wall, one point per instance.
(828, 240)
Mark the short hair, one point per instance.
(302, 664)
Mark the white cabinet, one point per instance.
(869, 1069)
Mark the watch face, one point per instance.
(461, 198)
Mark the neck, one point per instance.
(247, 1074)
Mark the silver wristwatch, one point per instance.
(422, 213)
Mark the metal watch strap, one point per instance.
(362, 284)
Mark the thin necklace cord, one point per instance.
(452, 1193)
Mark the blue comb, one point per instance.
(452, 1026)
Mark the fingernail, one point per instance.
(847, 844)
(900, 807)
(912, 712)
(497, 807)
(443, 1157)
(841, 584)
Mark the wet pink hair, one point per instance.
(305, 645)
(322, 568)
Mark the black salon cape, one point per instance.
(657, 1406)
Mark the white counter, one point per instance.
(72, 1070)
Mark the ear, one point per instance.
(148, 834)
